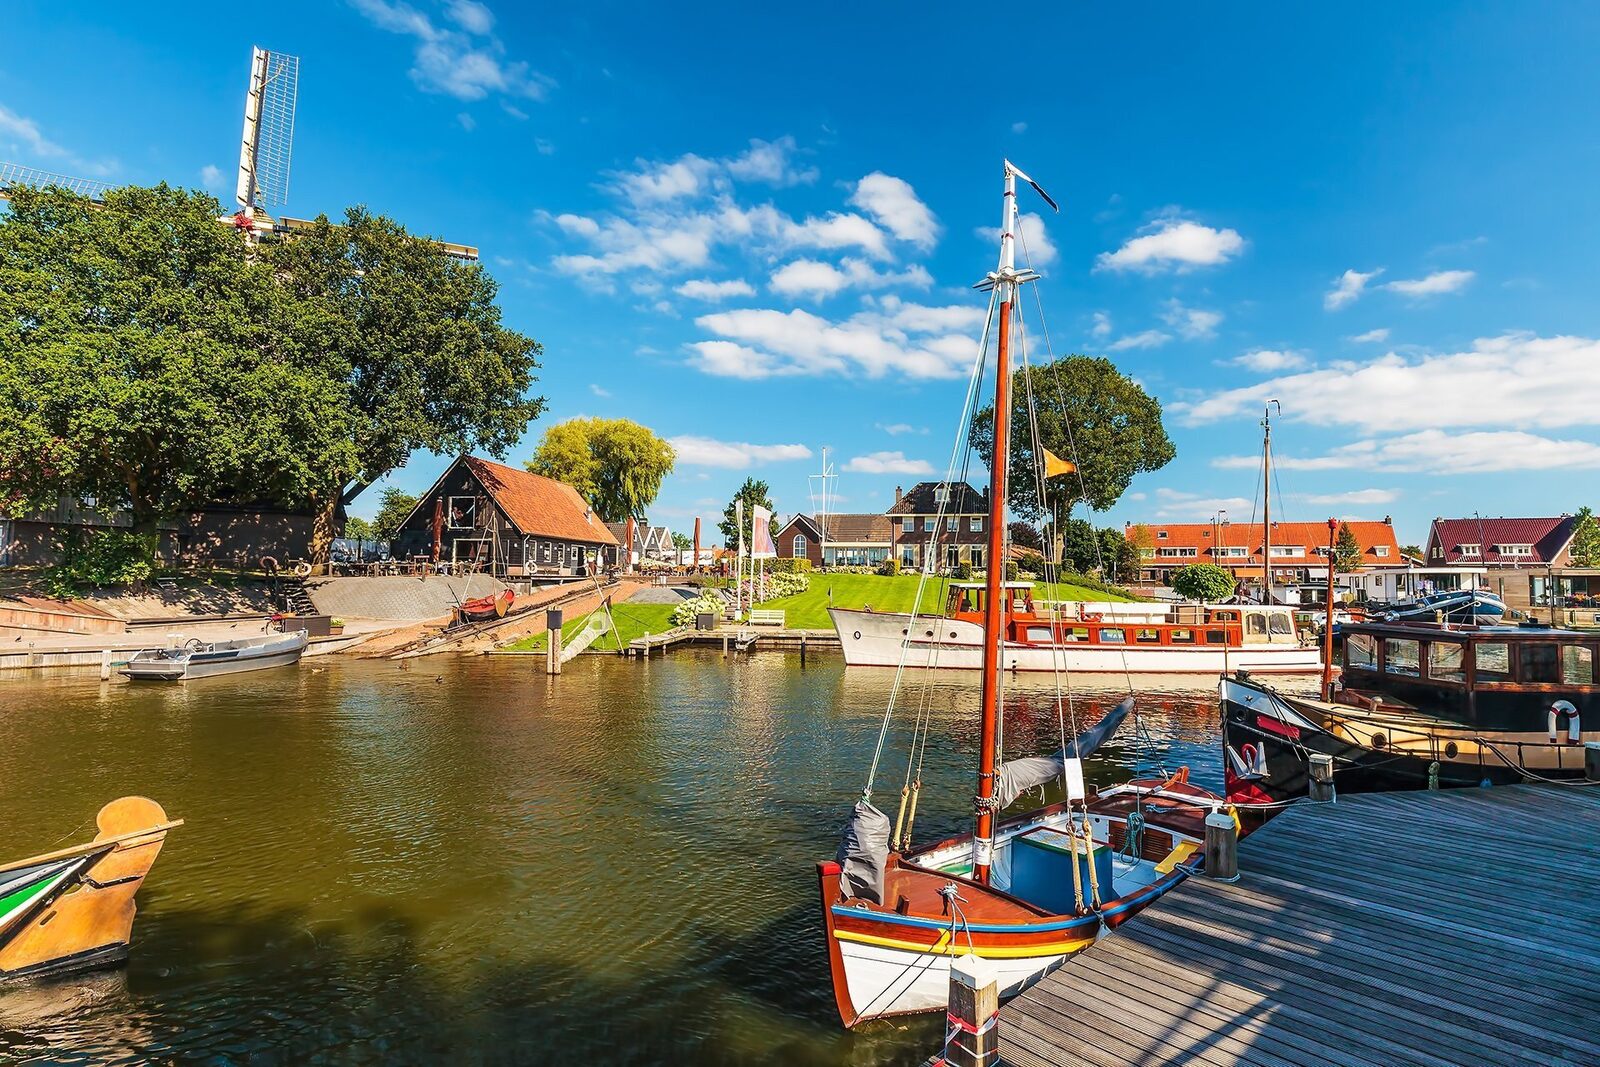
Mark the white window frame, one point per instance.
(1381, 551)
(1470, 550)
(941, 494)
(975, 522)
(799, 545)
(450, 512)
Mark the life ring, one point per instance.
(302, 569)
(269, 564)
(1564, 709)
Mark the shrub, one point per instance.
(114, 557)
(1203, 581)
(1011, 570)
(705, 603)
(962, 572)
(781, 585)
(889, 567)
(794, 565)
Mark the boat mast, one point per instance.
(1266, 502)
(1004, 280)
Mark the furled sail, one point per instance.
(1020, 775)
(863, 852)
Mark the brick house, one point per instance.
(1478, 542)
(852, 540)
(963, 535)
(1299, 549)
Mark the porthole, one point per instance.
(1450, 750)
(858, 635)
(1379, 741)
(905, 633)
(952, 634)
(930, 633)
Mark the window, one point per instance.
(1077, 633)
(462, 512)
(1279, 623)
(1401, 655)
(977, 557)
(573, 553)
(1514, 550)
(1361, 651)
(1381, 551)
(1113, 636)
(941, 494)
(547, 551)
(799, 545)
(1181, 637)
(1146, 636)
(1216, 637)
(1161, 535)
(1233, 552)
(1182, 553)
(922, 524)
(1541, 662)
(1577, 665)
(976, 523)
(952, 524)
(1040, 634)
(1447, 661)
(1469, 550)
(1491, 661)
(1255, 623)
(1288, 550)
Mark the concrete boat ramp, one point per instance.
(1447, 928)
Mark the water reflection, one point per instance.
(471, 861)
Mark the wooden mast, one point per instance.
(994, 585)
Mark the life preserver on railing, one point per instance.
(269, 564)
(1564, 709)
(302, 569)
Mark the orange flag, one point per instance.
(1054, 465)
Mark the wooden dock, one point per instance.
(1449, 928)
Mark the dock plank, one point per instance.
(1450, 928)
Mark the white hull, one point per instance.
(880, 639)
(228, 657)
(890, 981)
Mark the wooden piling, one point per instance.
(1321, 777)
(1222, 847)
(974, 1014)
(105, 665)
(552, 646)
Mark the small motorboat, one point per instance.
(204, 659)
(73, 909)
(484, 608)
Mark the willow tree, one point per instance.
(615, 464)
(1087, 412)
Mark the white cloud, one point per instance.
(23, 132)
(887, 336)
(696, 451)
(1019, 127)
(1040, 250)
(1435, 284)
(467, 62)
(1354, 497)
(600, 391)
(1516, 379)
(686, 176)
(1376, 337)
(894, 204)
(705, 289)
(1143, 339)
(771, 162)
(1173, 244)
(1269, 360)
(543, 147)
(211, 176)
(467, 122)
(1102, 325)
(1438, 452)
(888, 463)
(1347, 288)
(1175, 504)
(895, 429)
(1192, 324)
(815, 279)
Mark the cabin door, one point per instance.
(473, 550)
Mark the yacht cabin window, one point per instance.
(1401, 655)
(1181, 637)
(1255, 623)
(1279, 623)
(1447, 661)
(1113, 636)
(1360, 650)
(1491, 661)
(1577, 665)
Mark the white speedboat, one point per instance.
(205, 659)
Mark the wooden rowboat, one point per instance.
(73, 909)
(484, 608)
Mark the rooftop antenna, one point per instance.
(822, 492)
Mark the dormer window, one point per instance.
(1381, 551)
(1470, 550)
(1161, 535)
(941, 494)
(1514, 550)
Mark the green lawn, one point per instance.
(809, 610)
(633, 620)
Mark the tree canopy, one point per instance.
(155, 360)
(1346, 550)
(1083, 401)
(1585, 549)
(615, 464)
(754, 493)
(393, 507)
(1205, 582)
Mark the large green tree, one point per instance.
(753, 493)
(393, 507)
(1205, 582)
(1346, 550)
(147, 360)
(1085, 402)
(1585, 549)
(615, 464)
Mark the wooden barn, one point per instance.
(507, 522)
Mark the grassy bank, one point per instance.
(633, 620)
(809, 610)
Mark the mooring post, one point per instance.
(802, 650)
(973, 1022)
(552, 647)
(1591, 760)
(724, 644)
(105, 665)
(1321, 777)
(1222, 847)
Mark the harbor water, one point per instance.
(470, 862)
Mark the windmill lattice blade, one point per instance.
(12, 174)
(274, 147)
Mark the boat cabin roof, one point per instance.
(985, 585)
(1458, 631)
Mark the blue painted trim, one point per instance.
(1092, 919)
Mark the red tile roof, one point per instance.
(1547, 536)
(540, 506)
(1310, 536)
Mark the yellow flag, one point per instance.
(1054, 465)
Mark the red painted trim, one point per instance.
(1274, 726)
(828, 884)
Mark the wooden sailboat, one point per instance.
(73, 909)
(1023, 892)
(486, 608)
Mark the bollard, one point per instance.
(724, 646)
(802, 650)
(105, 665)
(1222, 847)
(1591, 760)
(1321, 777)
(973, 1018)
(552, 646)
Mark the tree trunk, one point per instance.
(324, 528)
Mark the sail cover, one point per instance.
(1020, 775)
(863, 852)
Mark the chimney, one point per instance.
(897, 494)
(1388, 520)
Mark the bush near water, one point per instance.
(707, 603)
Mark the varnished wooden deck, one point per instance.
(1451, 928)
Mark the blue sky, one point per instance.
(755, 230)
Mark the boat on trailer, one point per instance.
(73, 909)
(1024, 892)
(1087, 638)
(206, 659)
(1421, 704)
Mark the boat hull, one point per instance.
(283, 652)
(1275, 734)
(882, 639)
